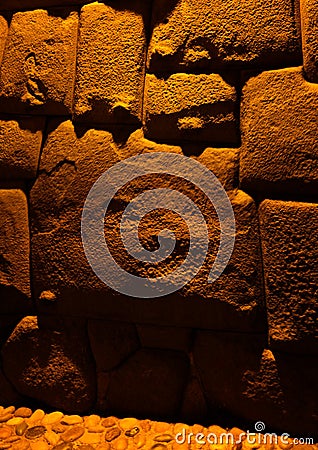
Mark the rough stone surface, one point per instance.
(111, 343)
(38, 67)
(250, 381)
(3, 34)
(213, 34)
(68, 170)
(236, 296)
(279, 133)
(52, 367)
(20, 145)
(309, 27)
(111, 60)
(224, 163)
(156, 375)
(234, 352)
(190, 108)
(16, 5)
(290, 254)
(14, 252)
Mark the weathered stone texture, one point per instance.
(111, 60)
(150, 382)
(69, 166)
(68, 170)
(14, 252)
(224, 163)
(190, 107)
(17, 5)
(38, 67)
(239, 347)
(246, 379)
(309, 27)
(236, 298)
(214, 34)
(20, 145)
(290, 255)
(55, 368)
(279, 123)
(3, 35)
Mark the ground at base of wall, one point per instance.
(24, 429)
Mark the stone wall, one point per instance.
(231, 85)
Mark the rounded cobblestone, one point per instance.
(53, 431)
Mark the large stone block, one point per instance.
(69, 166)
(20, 146)
(237, 294)
(110, 63)
(72, 160)
(155, 375)
(248, 380)
(309, 28)
(52, 367)
(209, 35)
(290, 254)
(14, 252)
(38, 67)
(190, 108)
(279, 125)
(3, 35)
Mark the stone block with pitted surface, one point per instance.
(17, 5)
(209, 35)
(111, 62)
(279, 124)
(158, 223)
(289, 241)
(309, 27)
(14, 253)
(69, 164)
(50, 376)
(38, 66)
(20, 146)
(3, 34)
(187, 107)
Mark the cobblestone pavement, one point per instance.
(24, 429)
